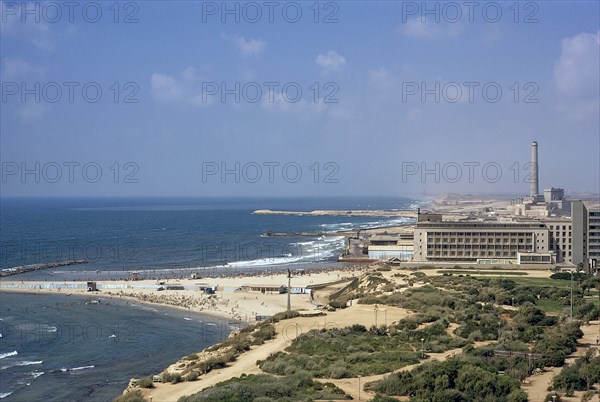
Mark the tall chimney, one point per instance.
(534, 170)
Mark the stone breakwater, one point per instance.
(35, 267)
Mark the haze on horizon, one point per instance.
(301, 99)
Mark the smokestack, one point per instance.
(534, 170)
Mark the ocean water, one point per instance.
(68, 348)
(63, 348)
(121, 236)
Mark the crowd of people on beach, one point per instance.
(200, 274)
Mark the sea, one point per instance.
(63, 348)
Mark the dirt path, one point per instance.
(286, 330)
(536, 386)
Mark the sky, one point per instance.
(268, 98)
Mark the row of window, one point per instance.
(477, 241)
(481, 234)
(473, 254)
(478, 246)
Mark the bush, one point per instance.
(146, 382)
(338, 303)
(262, 387)
(175, 378)
(578, 276)
(135, 396)
(284, 315)
(193, 356)
(452, 380)
(192, 376)
(382, 398)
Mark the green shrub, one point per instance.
(262, 387)
(577, 276)
(145, 382)
(135, 396)
(175, 378)
(192, 376)
(193, 356)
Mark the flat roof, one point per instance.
(481, 225)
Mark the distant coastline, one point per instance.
(331, 212)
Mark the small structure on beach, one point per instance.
(264, 288)
(92, 287)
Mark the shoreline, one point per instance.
(228, 303)
(127, 300)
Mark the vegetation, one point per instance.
(247, 337)
(230, 348)
(483, 272)
(135, 396)
(263, 388)
(577, 276)
(145, 382)
(518, 314)
(343, 353)
(580, 376)
(173, 378)
(456, 379)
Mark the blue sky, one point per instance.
(388, 90)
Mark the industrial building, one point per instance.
(539, 229)
(536, 205)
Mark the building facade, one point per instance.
(482, 242)
(560, 232)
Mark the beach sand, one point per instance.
(226, 303)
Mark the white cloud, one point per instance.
(165, 88)
(330, 61)
(246, 47)
(381, 79)
(276, 102)
(576, 75)
(185, 88)
(31, 111)
(576, 72)
(36, 32)
(15, 68)
(190, 74)
(431, 30)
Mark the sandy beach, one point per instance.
(231, 300)
(235, 300)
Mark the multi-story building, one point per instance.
(561, 232)
(483, 242)
(559, 240)
(586, 234)
(594, 237)
(579, 217)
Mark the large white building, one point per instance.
(559, 240)
(482, 242)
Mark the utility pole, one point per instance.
(289, 290)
